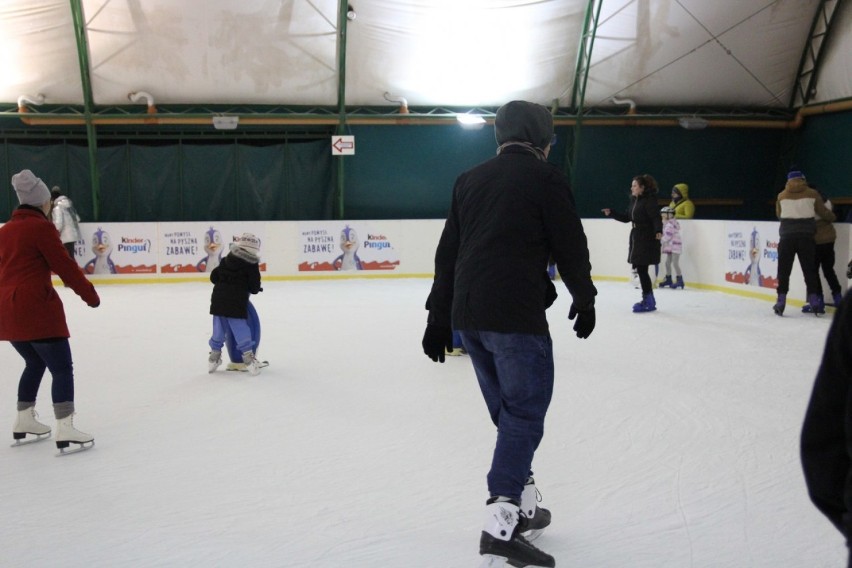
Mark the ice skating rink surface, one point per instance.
(671, 441)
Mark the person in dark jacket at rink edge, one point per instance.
(826, 442)
(507, 217)
(644, 247)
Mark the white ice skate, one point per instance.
(251, 363)
(241, 367)
(213, 361)
(66, 435)
(534, 519)
(26, 423)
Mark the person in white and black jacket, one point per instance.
(797, 208)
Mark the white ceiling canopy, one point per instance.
(430, 53)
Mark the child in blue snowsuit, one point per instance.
(234, 280)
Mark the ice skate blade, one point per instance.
(76, 449)
(491, 561)
(242, 366)
(533, 534)
(24, 441)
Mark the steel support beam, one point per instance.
(88, 100)
(812, 56)
(581, 77)
(342, 21)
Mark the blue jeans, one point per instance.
(515, 373)
(239, 329)
(53, 354)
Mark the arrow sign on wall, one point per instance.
(342, 145)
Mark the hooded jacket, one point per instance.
(30, 250)
(236, 277)
(507, 217)
(798, 207)
(684, 207)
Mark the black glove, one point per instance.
(436, 341)
(585, 323)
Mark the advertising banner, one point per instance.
(193, 247)
(752, 253)
(341, 246)
(117, 248)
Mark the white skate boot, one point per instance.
(66, 435)
(251, 363)
(501, 541)
(213, 361)
(26, 423)
(534, 519)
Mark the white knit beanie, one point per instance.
(30, 189)
(248, 243)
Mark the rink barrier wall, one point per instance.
(411, 244)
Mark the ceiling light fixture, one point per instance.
(226, 122)
(470, 120)
(692, 122)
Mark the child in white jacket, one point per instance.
(672, 247)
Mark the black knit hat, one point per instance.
(522, 121)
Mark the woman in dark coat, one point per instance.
(644, 214)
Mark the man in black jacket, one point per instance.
(507, 218)
(826, 441)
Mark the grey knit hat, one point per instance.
(30, 189)
(522, 121)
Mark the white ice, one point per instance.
(671, 441)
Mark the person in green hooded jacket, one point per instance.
(683, 206)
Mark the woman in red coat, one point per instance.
(31, 314)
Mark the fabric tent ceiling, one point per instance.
(432, 53)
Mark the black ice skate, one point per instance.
(501, 542)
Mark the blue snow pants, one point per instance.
(239, 329)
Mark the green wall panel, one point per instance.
(208, 182)
(407, 172)
(155, 183)
(116, 198)
(715, 163)
(176, 181)
(825, 156)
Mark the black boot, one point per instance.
(502, 537)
